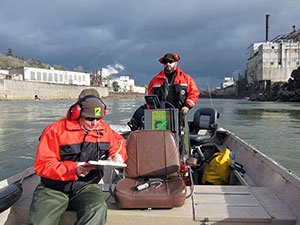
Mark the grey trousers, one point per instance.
(186, 138)
(48, 206)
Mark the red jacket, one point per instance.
(189, 90)
(64, 143)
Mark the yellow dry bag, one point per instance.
(218, 170)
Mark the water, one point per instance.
(273, 128)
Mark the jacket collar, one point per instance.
(73, 125)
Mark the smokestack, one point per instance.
(267, 27)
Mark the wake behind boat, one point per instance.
(261, 191)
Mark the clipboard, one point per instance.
(107, 163)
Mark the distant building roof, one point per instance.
(294, 35)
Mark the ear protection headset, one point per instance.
(175, 57)
(75, 110)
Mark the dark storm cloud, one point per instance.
(211, 37)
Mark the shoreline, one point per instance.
(125, 95)
(112, 95)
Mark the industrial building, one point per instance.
(125, 84)
(273, 61)
(50, 76)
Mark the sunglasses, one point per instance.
(91, 118)
(168, 61)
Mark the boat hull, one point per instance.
(266, 194)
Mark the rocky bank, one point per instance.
(284, 92)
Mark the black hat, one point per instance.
(169, 57)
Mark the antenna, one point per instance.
(209, 93)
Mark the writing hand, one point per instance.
(116, 158)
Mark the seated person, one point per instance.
(68, 181)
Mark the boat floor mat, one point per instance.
(238, 203)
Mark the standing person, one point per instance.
(177, 88)
(68, 181)
(173, 85)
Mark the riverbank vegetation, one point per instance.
(10, 60)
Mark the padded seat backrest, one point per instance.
(204, 118)
(152, 153)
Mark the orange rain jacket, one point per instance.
(186, 90)
(64, 143)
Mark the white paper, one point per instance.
(107, 163)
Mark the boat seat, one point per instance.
(204, 120)
(153, 161)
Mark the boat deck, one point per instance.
(239, 204)
(234, 204)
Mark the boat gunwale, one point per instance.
(283, 171)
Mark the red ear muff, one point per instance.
(176, 57)
(74, 112)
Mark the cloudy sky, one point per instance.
(211, 36)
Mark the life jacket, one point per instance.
(64, 143)
(175, 94)
(82, 152)
(181, 91)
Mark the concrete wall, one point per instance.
(24, 90)
(273, 61)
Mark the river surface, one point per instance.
(271, 127)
